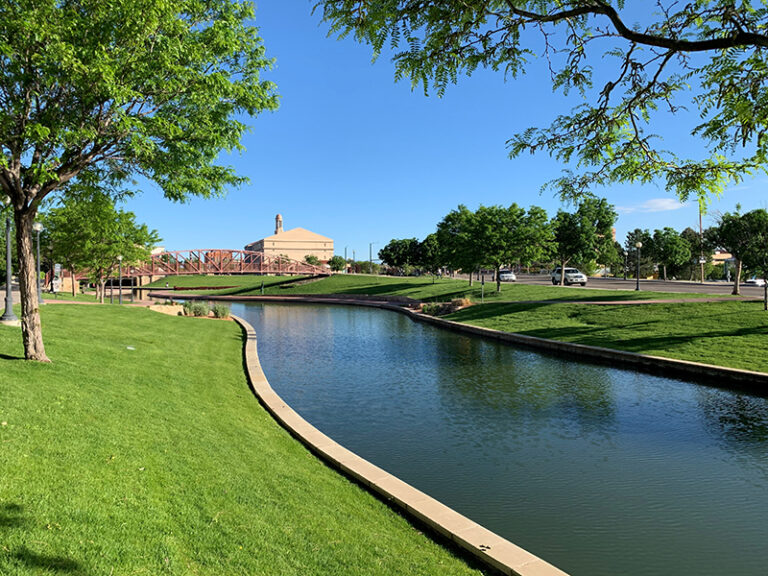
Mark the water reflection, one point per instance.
(600, 471)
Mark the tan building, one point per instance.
(296, 243)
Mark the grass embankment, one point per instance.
(140, 450)
(421, 288)
(731, 334)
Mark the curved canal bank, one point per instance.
(482, 543)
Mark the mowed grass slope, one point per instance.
(732, 334)
(418, 288)
(140, 450)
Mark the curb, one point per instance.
(487, 546)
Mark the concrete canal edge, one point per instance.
(489, 547)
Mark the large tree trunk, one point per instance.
(498, 279)
(72, 273)
(562, 272)
(31, 328)
(737, 279)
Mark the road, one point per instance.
(675, 286)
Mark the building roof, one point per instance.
(297, 234)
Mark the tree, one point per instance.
(584, 235)
(646, 252)
(732, 234)
(538, 237)
(670, 249)
(100, 92)
(429, 255)
(400, 254)
(88, 232)
(337, 263)
(755, 253)
(455, 237)
(498, 231)
(312, 260)
(707, 55)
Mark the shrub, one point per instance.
(187, 307)
(220, 310)
(200, 309)
(443, 308)
(431, 309)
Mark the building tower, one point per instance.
(278, 224)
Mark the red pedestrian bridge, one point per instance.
(216, 261)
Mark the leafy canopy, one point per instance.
(105, 91)
(708, 55)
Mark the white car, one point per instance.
(507, 276)
(755, 282)
(572, 276)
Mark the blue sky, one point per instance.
(355, 156)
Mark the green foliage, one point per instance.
(586, 235)
(400, 253)
(200, 309)
(187, 307)
(152, 88)
(708, 56)
(445, 308)
(455, 238)
(755, 253)
(337, 263)
(429, 257)
(670, 249)
(645, 252)
(220, 310)
(312, 260)
(88, 232)
(493, 236)
(99, 93)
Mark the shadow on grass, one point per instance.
(640, 344)
(11, 517)
(47, 562)
(9, 357)
(487, 311)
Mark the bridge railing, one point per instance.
(215, 261)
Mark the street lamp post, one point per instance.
(370, 256)
(38, 227)
(120, 279)
(8, 316)
(638, 245)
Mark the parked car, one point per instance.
(572, 276)
(755, 282)
(507, 276)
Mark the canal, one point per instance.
(598, 470)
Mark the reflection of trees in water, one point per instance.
(739, 420)
(518, 387)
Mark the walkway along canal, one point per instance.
(598, 470)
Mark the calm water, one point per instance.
(597, 470)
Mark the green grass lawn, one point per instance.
(733, 334)
(140, 450)
(418, 288)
